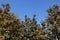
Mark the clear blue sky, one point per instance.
(30, 7)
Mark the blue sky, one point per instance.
(30, 7)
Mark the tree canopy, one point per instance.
(11, 28)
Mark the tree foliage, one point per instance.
(11, 28)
